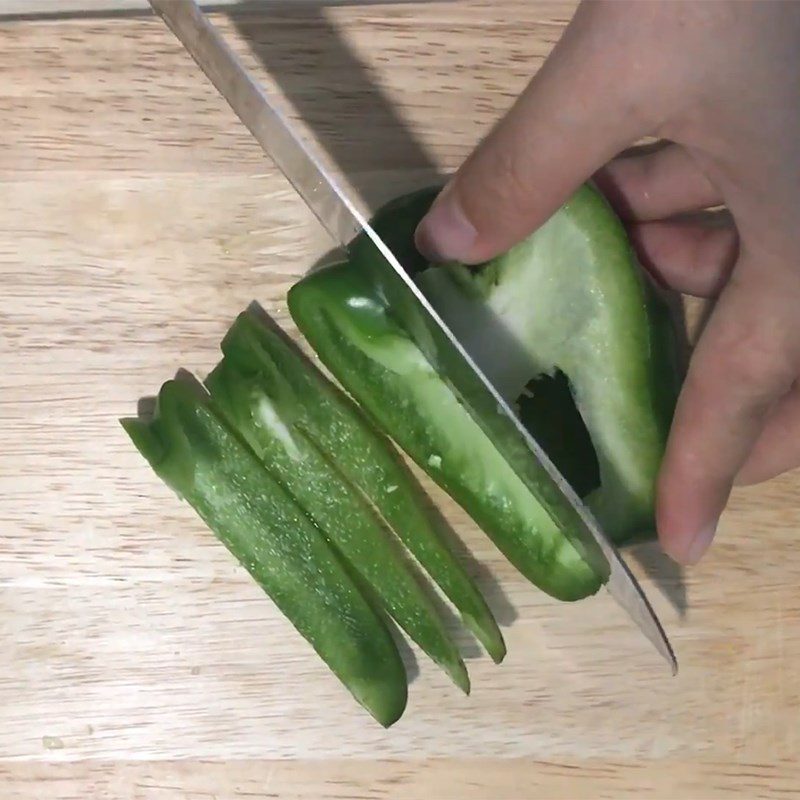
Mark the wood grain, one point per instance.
(139, 661)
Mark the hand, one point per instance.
(720, 82)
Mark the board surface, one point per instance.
(138, 661)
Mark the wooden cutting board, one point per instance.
(138, 661)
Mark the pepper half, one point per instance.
(565, 322)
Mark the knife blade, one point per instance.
(341, 217)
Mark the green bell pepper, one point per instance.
(308, 495)
(566, 314)
(192, 449)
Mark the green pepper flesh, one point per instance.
(194, 452)
(388, 375)
(589, 318)
(259, 404)
(366, 459)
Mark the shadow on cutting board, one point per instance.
(317, 71)
(308, 58)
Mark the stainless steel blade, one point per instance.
(344, 221)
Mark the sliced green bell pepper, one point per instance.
(260, 404)
(194, 452)
(334, 425)
(570, 303)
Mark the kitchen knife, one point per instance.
(344, 221)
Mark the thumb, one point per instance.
(585, 104)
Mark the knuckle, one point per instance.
(496, 193)
(752, 360)
(687, 464)
(511, 184)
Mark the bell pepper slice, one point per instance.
(195, 453)
(600, 302)
(262, 408)
(312, 407)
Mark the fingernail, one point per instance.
(445, 233)
(700, 543)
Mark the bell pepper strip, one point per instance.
(263, 408)
(192, 449)
(363, 457)
(625, 397)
